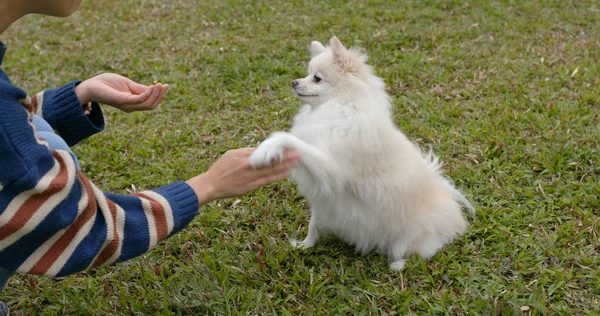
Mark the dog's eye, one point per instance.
(316, 78)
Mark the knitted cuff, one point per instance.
(183, 201)
(62, 109)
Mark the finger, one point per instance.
(161, 95)
(289, 154)
(270, 170)
(271, 178)
(133, 99)
(135, 87)
(132, 103)
(245, 152)
(147, 92)
(289, 159)
(146, 105)
(285, 164)
(292, 163)
(286, 156)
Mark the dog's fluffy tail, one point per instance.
(436, 165)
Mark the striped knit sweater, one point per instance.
(53, 220)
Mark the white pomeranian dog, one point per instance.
(365, 181)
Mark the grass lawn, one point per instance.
(506, 93)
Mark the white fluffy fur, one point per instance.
(365, 181)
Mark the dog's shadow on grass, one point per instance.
(332, 249)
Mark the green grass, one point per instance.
(507, 93)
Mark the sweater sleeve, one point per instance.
(55, 222)
(61, 108)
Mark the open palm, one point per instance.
(121, 92)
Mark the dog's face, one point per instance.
(332, 71)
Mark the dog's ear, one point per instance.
(344, 58)
(316, 48)
(339, 51)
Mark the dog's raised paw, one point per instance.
(266, 153)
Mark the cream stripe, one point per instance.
(66, 255)
(35, 257)
(18, 201)
(40, 101)
(103, 206)
(26, 101)
(45, 208)
(166, 206)
(120, 232)
(152, 232)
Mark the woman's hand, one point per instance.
(231, 175)
(120, 92)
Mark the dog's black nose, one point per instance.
(294, 83)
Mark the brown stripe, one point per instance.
(111, 248)
(33, 108)
(32, 205)
(160, 218)
(52, 254)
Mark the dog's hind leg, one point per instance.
(398, 265)
(312, 237)
(397, 256)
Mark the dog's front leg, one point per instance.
(317, 162)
